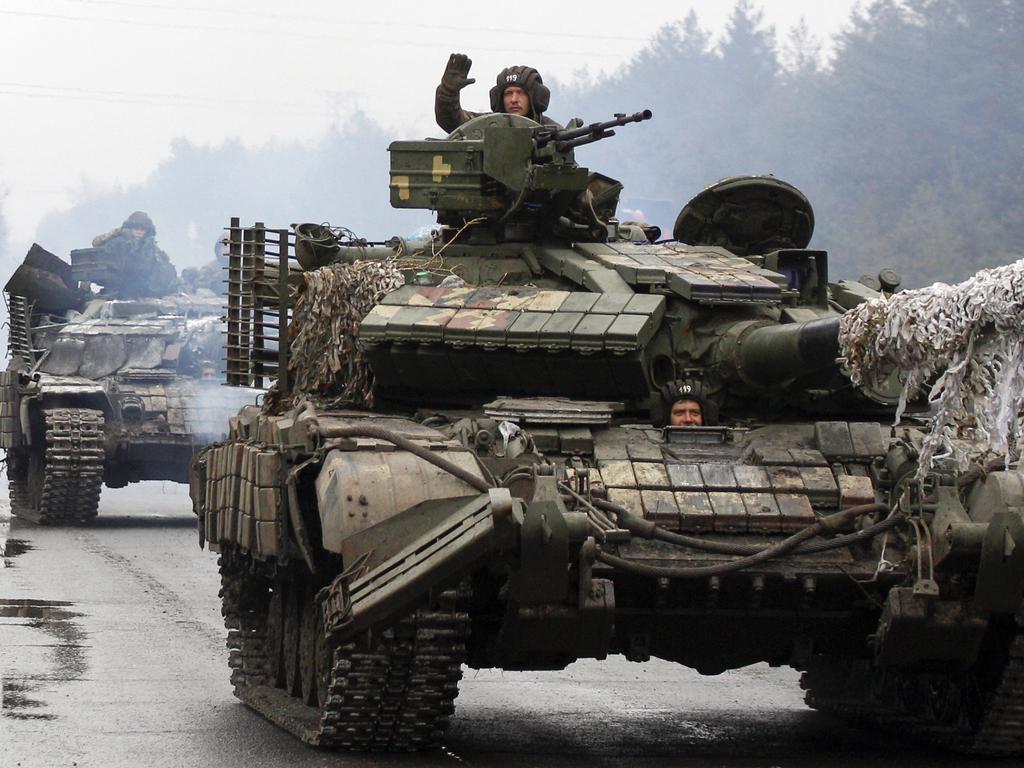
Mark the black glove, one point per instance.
(455, 74)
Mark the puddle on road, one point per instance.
(47, 610)
(11, 548)
(5, 530)
(65, 657)
(17, 704)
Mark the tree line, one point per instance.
(909, 143)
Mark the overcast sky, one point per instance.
(94, 91)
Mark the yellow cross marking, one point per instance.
(402, 183)
(441, 169)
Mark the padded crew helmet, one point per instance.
(687, 389)
(140, 220)
(529, 80)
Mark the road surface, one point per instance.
(112, 654)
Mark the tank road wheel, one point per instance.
(979, 712)
(230, 607)
(61, 483)
(25, 476)
(311, 616)
(33, 499)
(946, 698)
(324, 662)
(17, 481)
(292, 633)
(244, 600)
(912, 693)
(275, 637)
(252, 628)
(37, 484)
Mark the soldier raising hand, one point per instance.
(518, 90)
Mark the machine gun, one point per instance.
(456, 176)
(566, 139)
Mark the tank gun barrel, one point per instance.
(766, 355)
(567, 138)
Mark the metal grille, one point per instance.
(262, 279)
(19, 340)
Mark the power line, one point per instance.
(92, 94)
(149, 100)
(258, 106)
(290, 34)
(291, 19)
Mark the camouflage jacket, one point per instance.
(450, 115)
(146, 270)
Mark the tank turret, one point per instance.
(542, 291)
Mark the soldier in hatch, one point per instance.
(518, 91)
(145, 270)
(685, 405)
(211, 274)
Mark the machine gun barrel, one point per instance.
(766, 355)
(566, 139)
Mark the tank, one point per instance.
(464, 460)
(100, 389)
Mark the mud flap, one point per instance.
(1000, 582)
(915, 629)
(553, 636)
(550, 633)
(396, 585)
(543, 573)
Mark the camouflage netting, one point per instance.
(325, 363)
(968, 339)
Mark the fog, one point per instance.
(906, 138)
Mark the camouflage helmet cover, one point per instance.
(529, 80)
(140, 220)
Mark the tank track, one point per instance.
(956, 711)
(396, 695)
(72, 471)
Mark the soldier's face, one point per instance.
(516, 101)
(137, 232)
(686, 413)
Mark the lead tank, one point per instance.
(101, 389)
(464, 461)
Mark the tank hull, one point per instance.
(366, 574)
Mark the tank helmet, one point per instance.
(687, 389)
(529, 80)
(140, 220)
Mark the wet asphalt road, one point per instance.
(112, 654)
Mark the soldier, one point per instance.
(686, 413)
(685, 405)
(142, 268)
(137, 225)
(211, 274)
(517, 91)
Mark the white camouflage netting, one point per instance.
(969, 340)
